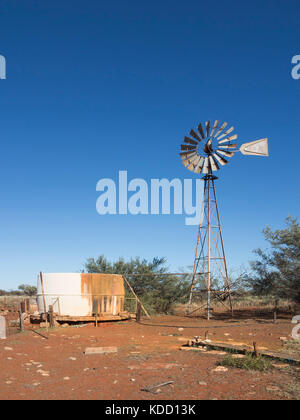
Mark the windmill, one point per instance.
(204, 152)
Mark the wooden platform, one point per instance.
(66, 318)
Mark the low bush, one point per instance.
(249, 362)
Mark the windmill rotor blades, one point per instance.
(187, 163)
(187, 160)
(206, 166)
(187, 147)
(195, 135)
(226, 133)
(188, 152)
(228, 146)
(256, 148)
(187, 155)
(220, 159)
(190, 166)
(193, 163)
(207, 125)
(221, 129)
(200, 129)
(213, 164)
(214, 127)
(217, 146)
(199, 165)
(190, 141)
(234, 137)
(228, 154)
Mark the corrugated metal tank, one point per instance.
(78, 294)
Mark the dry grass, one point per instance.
(293, 390)
(247, 301)
(292, 347)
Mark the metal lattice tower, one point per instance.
(206, 152)
(210, 260)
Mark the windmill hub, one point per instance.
(208, 148)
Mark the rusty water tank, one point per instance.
(81, 294)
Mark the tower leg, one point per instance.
(196, 261)
(227, 282)
(208, 249)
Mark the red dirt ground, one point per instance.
(146, 355)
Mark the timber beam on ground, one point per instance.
(242, 349)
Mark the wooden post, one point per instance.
(27, 305)
(255, 353)
(2, 327)
(138, 300)
(275, 310)
(21, 321)
(51, 316)
(44, 301)
(22, 306)
(138, 312)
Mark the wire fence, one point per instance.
(12, 309)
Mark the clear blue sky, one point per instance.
(95, 87)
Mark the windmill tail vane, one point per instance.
(205, 151)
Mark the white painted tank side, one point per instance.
(63, 292)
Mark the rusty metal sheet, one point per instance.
(105, 292)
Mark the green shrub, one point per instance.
(249, 362)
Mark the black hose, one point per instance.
(208, 326)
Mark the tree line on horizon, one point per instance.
(275, 272)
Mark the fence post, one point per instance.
(51, 316)
(138, 312)
(2, 327)
(23, 306)
(21, 320)
(27, 305)
(275, 310)
(255, 352)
